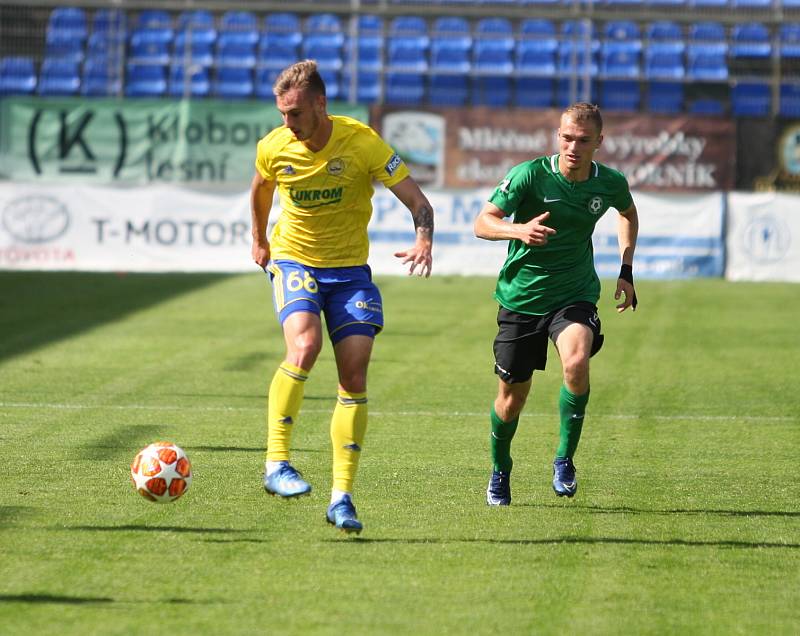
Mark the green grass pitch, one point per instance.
(687, 518)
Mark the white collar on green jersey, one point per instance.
(554, 165)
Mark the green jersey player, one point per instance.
(548, 286)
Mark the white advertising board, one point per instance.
(763, 237)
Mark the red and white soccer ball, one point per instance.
(161, 472)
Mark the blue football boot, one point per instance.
(564, 482)
(342, 514)
(498, 493)
(286, 482)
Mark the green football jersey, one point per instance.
(538, 279)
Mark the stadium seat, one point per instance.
(751, 99)
(537, 28)
(751, 4)
(368, 86)
(706, 64)
(284, 22)
(664, 60)
(369, 24)
(265, 78)
(69, 22)
(492, 90)
(406, 54)
(453, 30)
(158, 23)
(243, 22)
(17, 75)
(195, 83)
(708, 4)
(365, 51)
(535, 92)
(663, 31)
(62, 45)
(536, 57)
(318, 23)
(332, 79)
(571, 89)
(492, 57)
(404, 88)
(501, 27)
(276, 51)
(620, 95)
(708, 33)
(190, 51)
(101, 77)
(789, 40)
(108, 44)
(110, 21)
(59, 76)
(660, 4)
(449, 56)
(448, 90)
(324, 50)
(618, 59)
(789, 100)
(706, 106)
(148, 46)
(233, 82)
(665, 97)
(750, 40)
(625, 34)
(576, 58)
(411, 28)
(195, 32)
(146, 80)
(235, 48)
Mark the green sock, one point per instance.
(502, 434)
(571, 408)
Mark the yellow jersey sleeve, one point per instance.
(326, 196)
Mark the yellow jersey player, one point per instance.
(323, 167)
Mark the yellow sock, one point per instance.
(285, 398)
(348, 427)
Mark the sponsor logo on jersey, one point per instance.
(596, 205)
(394, 164)
(335, 167)
(316, 197)
(549, 200)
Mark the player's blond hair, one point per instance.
(302, 75)
(583, 112)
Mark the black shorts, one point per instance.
(521, 343)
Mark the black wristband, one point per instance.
(626, 274)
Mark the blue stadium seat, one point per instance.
(494, 27)
(569, 90)
(265, 78)
(751, 4)
(411, 28)
(332, 79)
(368, 86)
(624, 34)
(277, 51)
(68, 22)
(148, 46)
(709, 4)
(706, 64)
(537, 28)
(63, 45)
(751, 99)
(660, 4)
(407, 54)
(664, 60)
(59, 76)
(110, 21)
(750, 40)
(493, 57)
(449, 56)
(233, 82)
(665, 97)
(108, 44)
(535, 92)
(575, 58)
(157, 24)
(196, 27)
(618, 59)
(708, 32)
(146, 80)
(191, 51)
(241, 22)
(620, 95)
(706, 106)
(404, 88)
(17, 76)
(789, 99)
(492, 90)
(101, 77)
(194, 83)
(451, 26)
(789, 40)
(324, 50)
(536, 57)
(284, 22)
(448, 90)
(366, 51)
(370, 24)
(664, 31)
(235, 48)
(318, 23)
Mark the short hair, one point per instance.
(302, 75)
(583, 112)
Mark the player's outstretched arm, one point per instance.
(261, 193)
(627, 233)
(420, 256)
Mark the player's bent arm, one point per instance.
(627, 233)
(490, 225)
(261, 193)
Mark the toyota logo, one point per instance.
(35, 219)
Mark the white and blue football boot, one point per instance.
(286, 482)
(342, 514)
(498, 492)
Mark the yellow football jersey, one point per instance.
(326, 196)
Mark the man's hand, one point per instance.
(261, 252)
(419, 256)
(534, 232)
(625, 286)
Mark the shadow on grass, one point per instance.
(675, 511)
(146, 528)
(54, 599)
(37, 308)
(11, 514)
(590, 541)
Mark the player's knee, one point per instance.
(509, 405)
(354, 382)
(576, 369)
(305, 349)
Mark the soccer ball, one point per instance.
(161, 472)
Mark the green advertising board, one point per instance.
(208, 143)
